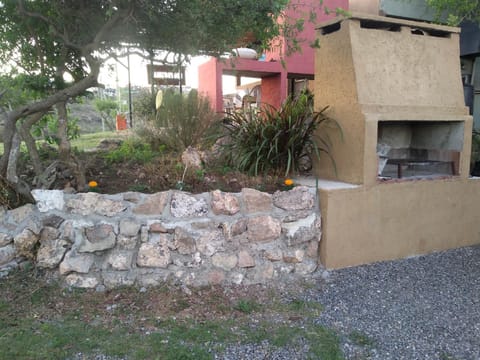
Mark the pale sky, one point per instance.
(138, 74)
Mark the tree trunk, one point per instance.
(8, 161)
(65, 154)
(24, 131)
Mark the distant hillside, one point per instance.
(88, 118)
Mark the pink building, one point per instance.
(277, 81)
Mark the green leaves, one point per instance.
(278, 140)
(457, 10)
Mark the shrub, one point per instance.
(273, 139)
(181, 121)
(130, 151)
(47, 128)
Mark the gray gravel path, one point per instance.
(426, 307)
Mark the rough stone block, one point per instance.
(256, 201)
(306, 267)
(129, 227)
(5, 239)
(184, 242)
(298, 198)
(93, 203)
(7, 254)
(153, 255)
(261, 274)
(153, 204)
(81, 281)
(113, 280)
(157, 227)
(120, 260)
(74, 262)
(48, 200)
(263, 228)
(51, 252)
(210, 242)
(53, 221)
(238, 227)
(293, 257)
(126, 242)
(224, 203)
(273, 254)
(224, 261)
(21, 213)
(97, 238)
(216, 277)
(184, 205)
(25, 243)
(312, 249)
(301, 231)
(245, 260)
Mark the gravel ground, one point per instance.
(426, 307)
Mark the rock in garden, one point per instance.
(256, 201)
(97, 238)
(114, 279)
(224, 203)
(5, 239)
(93, 203)
(7, 254)
(153, 204)
(301, 231)
(153, 255)
(81, 281)
(25, 243)
(184, 242)
(298, 198)
(51, 252)
(224, 261)
(184, 205)
(245, 260)
(210, 242)
(191, 158)
(74, 262)
(293, 257)
(120, 260)
(48, 200)
(19, 214)
(263, 228)
(129, 227)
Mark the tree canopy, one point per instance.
(457, 10)
(41, 41)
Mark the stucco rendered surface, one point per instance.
(396, 220)
(396, 71)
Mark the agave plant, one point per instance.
(277, 139)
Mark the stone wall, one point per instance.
(104, 241)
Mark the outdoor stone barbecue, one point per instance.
(95, 240)
(395, 88)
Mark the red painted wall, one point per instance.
(210, 82)
(270, 93)
(275, 85)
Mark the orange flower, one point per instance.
(288, 182)
(92, 184)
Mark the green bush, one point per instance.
(181, 121)
(130, 151)
(272, 139)
(47, 128)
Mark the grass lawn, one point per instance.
(40, 320)
(91, 140)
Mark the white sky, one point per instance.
(138, 74)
